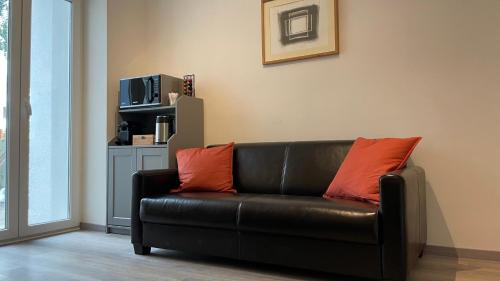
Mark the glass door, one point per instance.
(37, 182)
(45, 186)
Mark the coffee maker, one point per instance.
(123, 133)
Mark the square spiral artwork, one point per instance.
(298, 29)
(299, 24)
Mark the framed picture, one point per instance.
(298, 29)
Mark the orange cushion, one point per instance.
(206, 169)
(368, 160)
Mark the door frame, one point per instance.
(75, 123)
(13, 107)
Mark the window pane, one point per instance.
(50, 104)
(4, 39)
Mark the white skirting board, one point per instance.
(92, 227)
(462, 253)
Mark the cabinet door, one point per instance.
(121, 166)
(152, 158)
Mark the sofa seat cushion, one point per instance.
(314, 217)
(205, 209)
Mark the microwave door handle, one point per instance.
(130, 92)
(147, 90)
(151, 89)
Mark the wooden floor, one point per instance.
(86, 255)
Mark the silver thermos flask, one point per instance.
(161, 133)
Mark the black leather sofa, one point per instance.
(279, 216)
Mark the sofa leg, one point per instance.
(139, 249)
(421, 254)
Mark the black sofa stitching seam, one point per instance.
(283, 172)
(238, 210)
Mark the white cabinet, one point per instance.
(123, 162)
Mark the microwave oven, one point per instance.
(148, 90)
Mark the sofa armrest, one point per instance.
(145, 184)
(404, 226)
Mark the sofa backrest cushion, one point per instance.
(258, 167)
(311, 166)
(293, 168)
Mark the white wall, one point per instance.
(405, 68)
(127, 49)
(114, 47)
(94, 99)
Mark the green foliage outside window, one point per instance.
(4, 26)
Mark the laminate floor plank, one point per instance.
(92, 256)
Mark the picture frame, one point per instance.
(298, 29)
